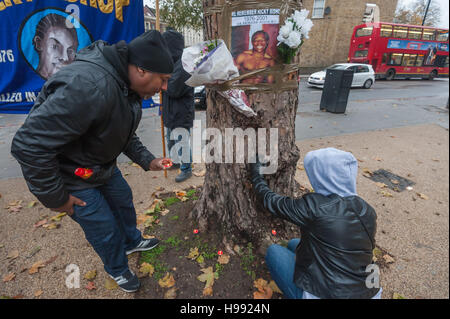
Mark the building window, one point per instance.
(318, 9)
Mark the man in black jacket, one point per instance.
(84, 117)
(178, 108)
(333, 259)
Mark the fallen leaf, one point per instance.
(397, 296)
(423, 196)
(171, 293)
(135, 165)
(264, 291)
(223, 259)
(200, 174)
(395, 182)
(193, 253)
(207, 277)
(300, 167)
(111, 284)
(142, 219)
(184, 199)
(386, 194)
(48, 262)
(13, 255)
(52, 226)
(378, 159)
(9, 277)
(274, 287)
(200, 259)
(146, 268)
(148, 237)
(377, 253)
(381, 185)
(90, 286)
(90, 275)
(38, 293)
(165, 212)
(40, 223)
(167, 282)
(35, 268)
(32, 204)
(58, 217)
(388, 259)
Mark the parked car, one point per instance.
(200, 97)
(363, 76)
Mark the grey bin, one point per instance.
(336, 90)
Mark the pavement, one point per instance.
(407, 135)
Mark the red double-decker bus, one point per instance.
(400, 50)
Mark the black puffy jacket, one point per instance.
(338, 238)
(178, 100)
(84, 116)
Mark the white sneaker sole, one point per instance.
(129, 252)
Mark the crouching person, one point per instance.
(337, 227)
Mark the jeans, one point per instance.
(281, 263)
(109, 222)
(186, 165)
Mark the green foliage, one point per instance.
(173, 241)
(170, 201)
(286, 53)
(174, 217)
(247, 260)
(191, 193)
(182, 13)
(153, 257)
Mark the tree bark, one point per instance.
(227, 204)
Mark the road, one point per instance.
(386, 105)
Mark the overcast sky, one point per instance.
(443, 4)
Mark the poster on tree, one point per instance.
(254, 41)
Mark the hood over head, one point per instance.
(332, 171)
(175, 43)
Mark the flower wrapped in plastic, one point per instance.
(210, 62)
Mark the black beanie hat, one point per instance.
(149, 51)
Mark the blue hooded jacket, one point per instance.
(332, 171)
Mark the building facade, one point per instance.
(150, 20)
(334, 20)
(191, 36)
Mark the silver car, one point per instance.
(363, 75)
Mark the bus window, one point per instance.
(385, 58)
(361, 53)
(400, 32)
(395, 59)
(419, 61)
(441, 61)
(442, 35)
(429, 34)
(415, 33)
(386, 30)
(364, 32)
(409, 59)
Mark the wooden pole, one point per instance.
(158, 27)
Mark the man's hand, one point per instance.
(159, 164)
(68, 206)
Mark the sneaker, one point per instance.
(128, 282)
(183, 176)
(145, 244)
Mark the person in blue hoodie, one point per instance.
(333, 258)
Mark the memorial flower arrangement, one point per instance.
(292, 35)
(210, 62)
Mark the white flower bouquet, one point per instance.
(210, 62)
(292, 35)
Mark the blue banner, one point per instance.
(417, 45)
(38, 37)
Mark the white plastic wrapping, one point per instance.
(215, 67)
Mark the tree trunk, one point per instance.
(227, 204)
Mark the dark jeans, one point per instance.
(109, 222)
(186, 165)
(281, 263)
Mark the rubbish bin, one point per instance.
(336, 90)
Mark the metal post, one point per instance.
(426, 12)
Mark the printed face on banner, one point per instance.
(254, 41)
(49, 41)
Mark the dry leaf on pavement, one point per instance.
(90, 286)
(386, 194)
(200, 174)
(58, 217)
(32, 204)
(397, 296)
(388, 259)
(13, 255)
(423, 196)
(40, 223)
(167, 282)
(9, 277)
(35, 268)
(38, 293)
(381, 185)
(111, 284)
(90, 275)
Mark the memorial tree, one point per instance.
(260, 36)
